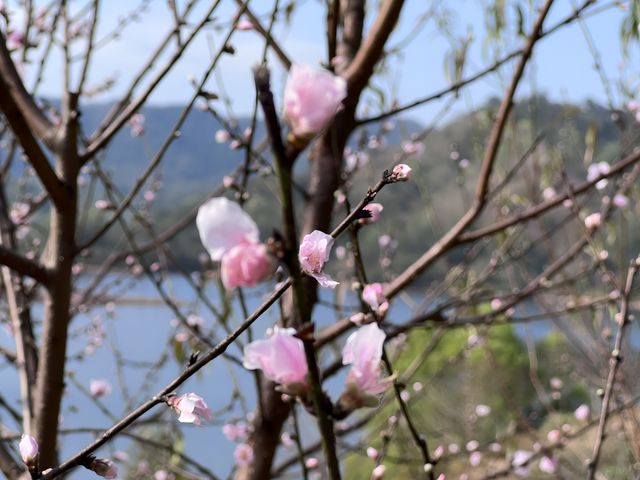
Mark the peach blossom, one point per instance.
(191, 407)
(245, 265)
(312, 96)
(223, 224)
(280, 357)
(313, 254)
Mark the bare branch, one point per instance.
(361, 68)
(24, 103)
(487, 166)
(101, 140)
(23, 265)
(622, 319)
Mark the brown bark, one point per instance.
(58, 258)
(266, 435)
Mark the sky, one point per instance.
(562, 69)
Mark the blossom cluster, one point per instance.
(232, 238)
(282, 360)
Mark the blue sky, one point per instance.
(562, 69)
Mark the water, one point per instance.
(139, 331)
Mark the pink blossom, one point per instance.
(121, 456)
(548, 193)
(15, 40)
(355, 160)
(633, 106)
(286, 439)
(19, 211)
(556, 383)
(582, 413)
(593, 221)
(311, 463)
(313, 254)
(620, 200)
(595, 170)
(401, 173)
(378, 472)
(245, 265)
(475, 458)
(548, 464)
(483, 410)
(195, 321)
(363, 351)
(338, 60)
(182, 337)
(374, 210)
(223, 224)
(99, 388)
(235, 431)
(495, 447)
(191, 407)
(149, 196)
(385, 241)
(101, 204)
(375, 143)
(104, 468)
(136, 122)
(312, 96)
(521, 462)
(227, 181)
(372, 453)
(163, 475)
(373, 295)
(222, 136)
(143, 468)
(243, 454)
(413, 147)
(554, 436)
(280, 357)
(244, 25)
(438, 452)
(28, 450)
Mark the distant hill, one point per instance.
(438, 194)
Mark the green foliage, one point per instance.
(438, 194)
(630, 27)
(456, 378)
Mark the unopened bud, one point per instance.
(401, 173)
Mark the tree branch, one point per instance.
(622, 319)
(361, 68)
(23, 265)
(26, 106)
(23, 131)
(103, 138)
(485, 173)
